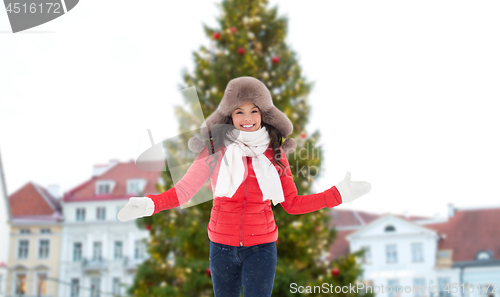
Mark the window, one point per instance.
(95, 287)
(484, 255)
(101, 213)
(75, 287)
(392, 288)
(389, 228)
(43, 249)
(24, 231)
(45, 231)
(391, 253)
(104, 187)
(80, 214)
(419, 287)
(22, 249)
(417, 252)
(135, 186)
(97, 251)
(77, 252)
(116, 286)
(20, 288)
(487, 289)
(118, 250)
(41, 283)
(443, 290)
(367, 257)
(139, 250)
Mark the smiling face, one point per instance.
(246, 115)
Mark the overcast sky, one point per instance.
(406, 93)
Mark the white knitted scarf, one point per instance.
(231, 174)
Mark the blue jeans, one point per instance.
(252, 267)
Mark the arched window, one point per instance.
(484, 255)
(389, 228)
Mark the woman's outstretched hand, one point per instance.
(352, 190)
(135, 208)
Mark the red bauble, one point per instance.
(148, 227)
(233, 29)
(303, 135)
(335, 271)
(208, 272)
(217, 35)
(148, 283)
(276, 60)
(241, 50)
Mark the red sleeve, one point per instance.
(300, 204)
(187, 187)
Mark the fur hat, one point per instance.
(239, 91)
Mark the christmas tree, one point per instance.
(249, 41)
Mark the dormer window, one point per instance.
(104, 187)
(484, 255)
(390, 228)
(135, 186)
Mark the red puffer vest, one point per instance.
(244, 219)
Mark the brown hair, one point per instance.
(217, 137)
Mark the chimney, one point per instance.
(451, 210)
(406, 214)
(100, 169)
(54, 191)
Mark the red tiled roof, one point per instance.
(119, 173)
(340, 246)
(32, 200)
(351, 218)
(470, 231)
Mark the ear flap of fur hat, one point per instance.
(289, 145)
(196, 145)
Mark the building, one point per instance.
(99, 253)
(34, 242)
(435, 257)
(4, 232)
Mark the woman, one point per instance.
(245, 135)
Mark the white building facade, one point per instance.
(100, 254)
(401, 259)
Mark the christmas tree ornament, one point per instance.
(295, 115)
(250, 35)
(201, 83)
(303, 135)
(275, 60)
(216, 35)
(226, 52)
(148, 227)
(241, 50)
(245, 20)
(206, 72)
(263, 27)
(335, 272)
(213, 90)
(265, 75)
(257, 19)
(232, 30)
(305, 184)
(208, 272)
(258, 47)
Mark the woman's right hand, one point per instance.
(136, 207)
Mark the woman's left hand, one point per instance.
(352, 190)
